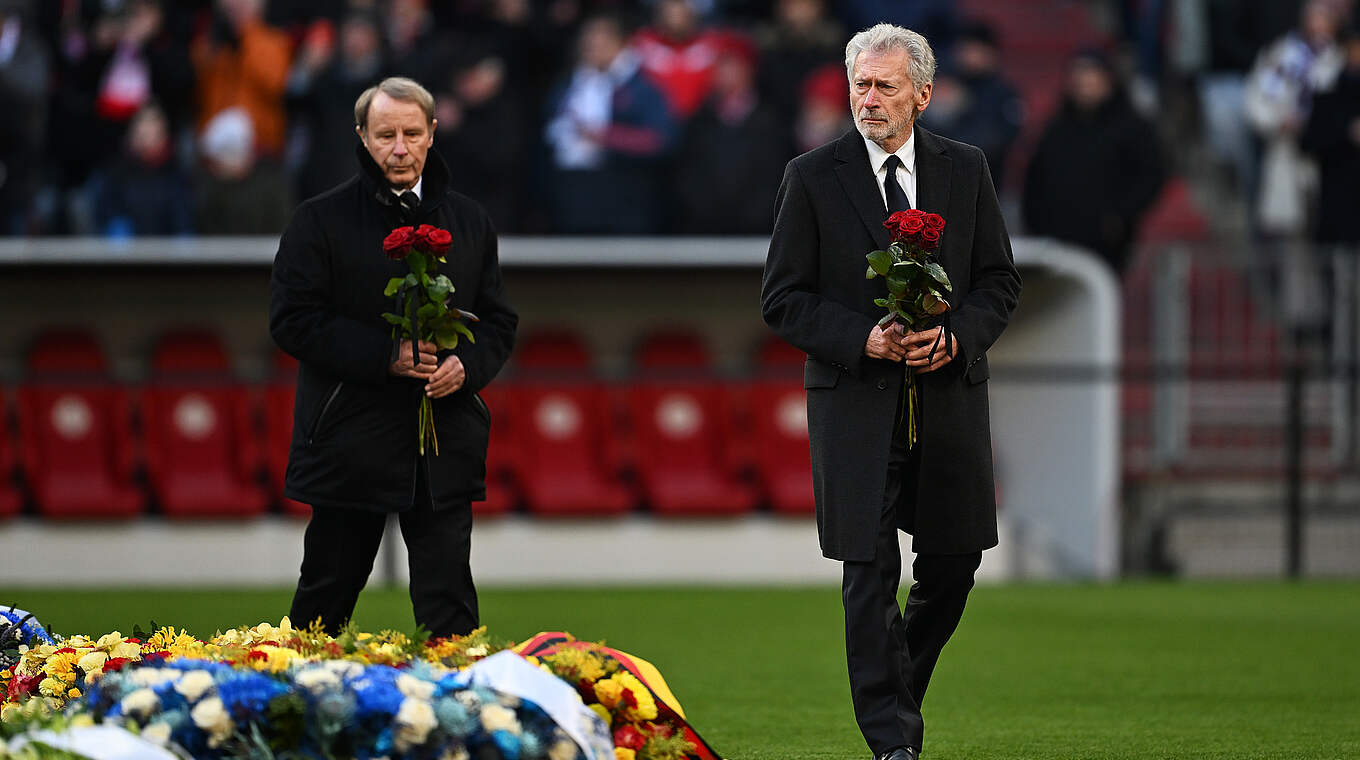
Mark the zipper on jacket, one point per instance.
(480, 404)
(325, 408)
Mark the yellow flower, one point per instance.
(93, 663)
(9, 711)
(73, 694)
(52, 687)
(624, 753)
(609, 692)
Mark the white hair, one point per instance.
(883, 37)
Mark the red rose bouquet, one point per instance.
(422, 312)
(917, 284)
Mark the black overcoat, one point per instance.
(354, 424)
(828, 215)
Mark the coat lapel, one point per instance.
(933, 167)
(857, 180)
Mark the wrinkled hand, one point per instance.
(918, 345)
(427, 363)
(885, 344)
(448, 378)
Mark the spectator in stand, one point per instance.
(416, 47)
(24, 77)
(481, 131)
(237, 194)
(679, 55)
(243, 63)
(1332, 136)
(937, 20)
(822, 116)
(1279, 95)
(144, 192)
(326, 80)
(1098, 166)
(800, 40)
(1233, 32)
(609, 129)
(733, 153)
(974, 103)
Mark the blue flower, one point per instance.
(453, 717)
(507, 743)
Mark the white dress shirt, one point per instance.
(415, 188)
(906, 171)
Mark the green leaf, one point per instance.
(887, 318)
(907, 265)
(440, 288)
(425, 279)
(881, 302)
(410, 281)
(398, 320)
(897, 285)
(870, 274)
(393, 285)
(427, 312)
(465, 330)
(418, 262)
(933, 304)
(936, 271)
(880, 261)
(446, 339)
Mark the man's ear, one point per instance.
(358, 130)
(434, 124)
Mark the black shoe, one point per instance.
(901, 753)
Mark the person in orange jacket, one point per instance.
(243, 62)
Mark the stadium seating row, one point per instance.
(192, 441)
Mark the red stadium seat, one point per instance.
(78, 450)
(278, 429)
(501, 494)
(10, 502)
(200, 449)
(559, 428)
(678, 414)
(777, 407)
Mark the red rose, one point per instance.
(904, 224)
(397, 244)
(913, 226)
(930, 238)
(934, 222)
(630, 737)
(115, 663)
(438, 240)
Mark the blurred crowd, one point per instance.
(173, 117)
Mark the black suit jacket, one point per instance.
(828, 215)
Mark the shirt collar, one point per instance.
(417, 189)
(906, 153)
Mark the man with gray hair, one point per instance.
(353, 456)
(869, 479)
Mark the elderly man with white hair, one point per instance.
(871, 475)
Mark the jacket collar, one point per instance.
(435, 180)
(857, 179)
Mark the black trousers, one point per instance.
(338, 552)
(891, 652)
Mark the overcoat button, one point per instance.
(882, 384)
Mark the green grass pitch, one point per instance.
(1133, 670)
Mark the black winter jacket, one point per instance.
(354, 424)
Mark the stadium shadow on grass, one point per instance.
(1138, 670)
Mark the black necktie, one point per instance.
(410, 203)
(892, 191)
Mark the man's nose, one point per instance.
(871, 98)
(399, 147)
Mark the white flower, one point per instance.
(414, 721)
(344, 668)
(562, 749)
(157, 733)
(416, 688)
(211, 716)
(151, 676)
(477, 651)
(193, 684)
(140, 703)
(459, 753)
(93, 662)
(317, 680)
(497, 718)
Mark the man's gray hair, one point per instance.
(396, 88)
(884, 37)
